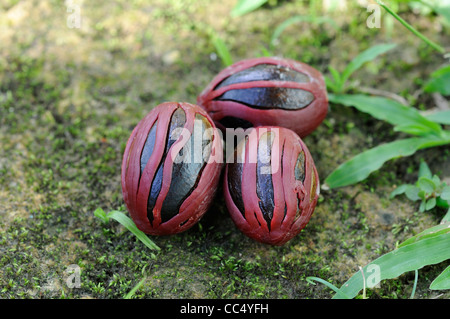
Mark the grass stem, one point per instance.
(434, 45)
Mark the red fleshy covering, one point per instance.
(288, 191)
(136, 186)
(302, 121)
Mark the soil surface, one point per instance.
(72, 91)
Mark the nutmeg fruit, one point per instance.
(171, 168)
(267, 91)
(271, 185)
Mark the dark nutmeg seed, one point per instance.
(271, 185)
(267, 91)
(171, 168)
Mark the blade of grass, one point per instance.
(130, 225)
(424, 170)
(222, 50)
(434, 45)
(441, 9)
(405, 118)
(311, 280)
(364, 57)
(362, 165)
(427, 233)
(416, 277)
(411, 257)
(441, 117)
(439, 82)
(127, 223)
(131, 293)
(442, 281)
(246, 6)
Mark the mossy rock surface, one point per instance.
(69, 98)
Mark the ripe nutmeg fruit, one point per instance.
(171, 168)
(271, 185)
(267, 91)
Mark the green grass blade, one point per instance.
(131, 293)
(435, 46)
(362, 165)
(404, 118)
(416, 277)
(441, 117)
(364, 57)
(246, 6)
(439, 82)
(311, 280)
(427, 233)
(331, 85)
(426, 184)
(222, 50)
(130, 225)
(399, 190)
(424, 170)
(336, 84)
(442, 281)
(100, 213)
(411, 257)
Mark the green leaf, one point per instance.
(439, 82)
(129, 224)
(445, 193)
(440, 202)
(442, 281)
(407, 258)
(422, 206)
(100, 213)
(336, 75)
(413, 193)
(399, 190)
(441, 117)
(444, 11)
(246, 6)
(365, 56)
(431, 203)
(222, 50)
(331, 85)
(426, 184)
(362, 165)
(413, 129)
(427, 233)
(404, 118)
(424, 170)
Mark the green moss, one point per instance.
(66, 112)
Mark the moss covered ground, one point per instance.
(69, 98)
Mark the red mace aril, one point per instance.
(271, 185)
(171, 168)
(267, 91)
